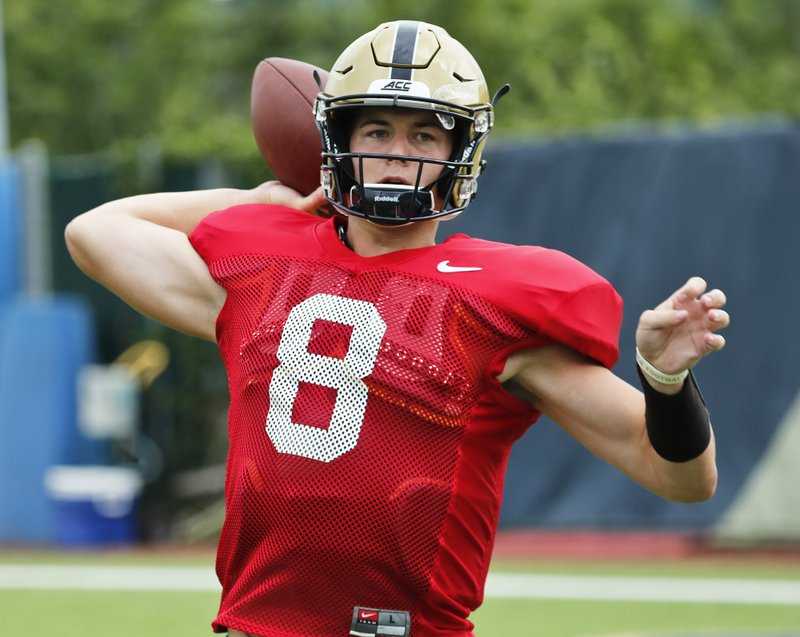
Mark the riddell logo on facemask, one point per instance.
(398, 85)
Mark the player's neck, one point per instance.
(370, 240)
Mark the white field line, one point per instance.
(499, 585)
(644, 589)
(117, 578)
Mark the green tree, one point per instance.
(89, 74)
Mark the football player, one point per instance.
(378, 379)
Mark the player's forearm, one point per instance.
(678, 430)
(180, 211)
(691, 481)
(610, 421)
(102, 236)
(608, 416)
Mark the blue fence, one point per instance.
(647, 212)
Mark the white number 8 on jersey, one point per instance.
(342, 374)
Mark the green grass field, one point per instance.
(73, 613)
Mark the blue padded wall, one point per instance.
(43, 345)
(647, 211)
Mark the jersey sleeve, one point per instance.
(207, 236)
(556, 296)
(571, 304)
(588, 321)
(252, 229)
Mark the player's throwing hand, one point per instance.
(680, 331)
(275, 193)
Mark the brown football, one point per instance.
(281, 110)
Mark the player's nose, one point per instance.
(399, 146)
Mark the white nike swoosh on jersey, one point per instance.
(444, 266)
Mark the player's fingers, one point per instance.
(718, 319)
(275, 193)
(714, 342)
(693, 288)
(657, 319)
(313, 201)
(714, 298)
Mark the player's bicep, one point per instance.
(152, 268)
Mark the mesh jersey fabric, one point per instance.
(368, 435)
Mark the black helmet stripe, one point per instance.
(405, 43)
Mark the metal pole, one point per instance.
(3, 89)
(37, 263)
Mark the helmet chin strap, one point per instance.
(391, 203)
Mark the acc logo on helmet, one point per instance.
(417, 89)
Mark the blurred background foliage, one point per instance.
(146, 95)
(90, 75)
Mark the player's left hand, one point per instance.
(680, 331)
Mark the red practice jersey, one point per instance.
(368, 434)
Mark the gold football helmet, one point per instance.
(405, 64)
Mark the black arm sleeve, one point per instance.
(678, 426)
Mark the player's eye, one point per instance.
(425, 137)
(377, 133)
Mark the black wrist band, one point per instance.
(678, 426)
